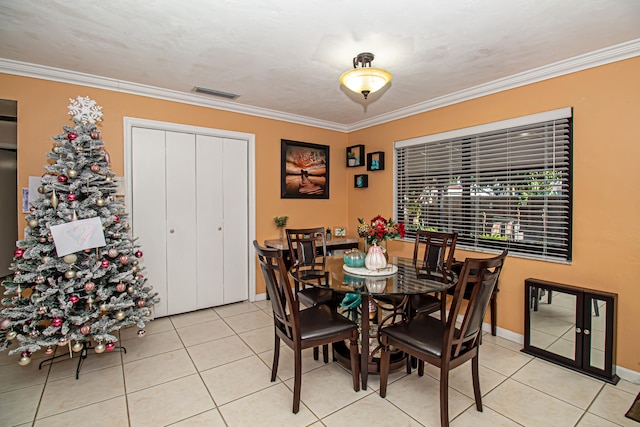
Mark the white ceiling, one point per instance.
(287, 55)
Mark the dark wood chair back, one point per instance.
(307, 247)
(285, 308)
(479, 277)
(433, 250)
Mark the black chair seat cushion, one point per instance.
(321, 321)
(423, 333)
(425, 303)
(314, 296)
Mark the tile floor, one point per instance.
(212, 367)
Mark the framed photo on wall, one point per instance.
(304, 170)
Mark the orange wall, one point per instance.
(606, 202)
(606, 148)
(42, 111)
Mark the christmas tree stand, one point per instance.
(84, 353)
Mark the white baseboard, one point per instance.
(261, 297)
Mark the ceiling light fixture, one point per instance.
(365, 80)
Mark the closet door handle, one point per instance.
(172, 231)
(219, 228)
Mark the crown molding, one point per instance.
(43, 72)
(593, 59)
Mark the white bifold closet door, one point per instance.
(190, 214)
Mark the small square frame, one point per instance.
(340, 232)
(361, 181)
(375, 161)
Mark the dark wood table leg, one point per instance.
(364, 337)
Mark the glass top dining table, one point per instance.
(402, 278)
(409, 279)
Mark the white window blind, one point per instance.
(500, 185)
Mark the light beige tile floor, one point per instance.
(212, 368)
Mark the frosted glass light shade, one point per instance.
(365, 80)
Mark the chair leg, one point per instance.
(355, 361)
(475, 374)
(315, 353)
(385, 360)
(297, 382)
(325, 353)
(494, 315)
(409, 363)
(443, 306)
(420, 368)
(444, 395)
(276, 358)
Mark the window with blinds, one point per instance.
(500, 185)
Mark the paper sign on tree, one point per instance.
(78, 235)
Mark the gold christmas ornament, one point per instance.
(33, 223)
(24, 361)
(100, 348)
(70, 274)
(70, 258)
(54, 199)
(120, 315)
(62, 342)
(100, 202)
(11, 335)
(72, 173)
(77, 347)
(103, 307)
(131, 289)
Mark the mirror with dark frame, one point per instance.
(571, 326)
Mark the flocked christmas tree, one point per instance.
(68, 290)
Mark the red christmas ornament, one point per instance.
(74, 299)
(18, 253)
(62, 178)
(95, 168)
(42, 239)
(110, 346)
(71, 197)
(94, 134)
(71, 136)
(139, 254)
(105, 263)
(141, 303)
(26, 354)
(56, 322)
(89, 286)
(121, 287)
(116, 218)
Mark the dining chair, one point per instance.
(308, 253)
(446, 345)
(302, 329)
(432, 252)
